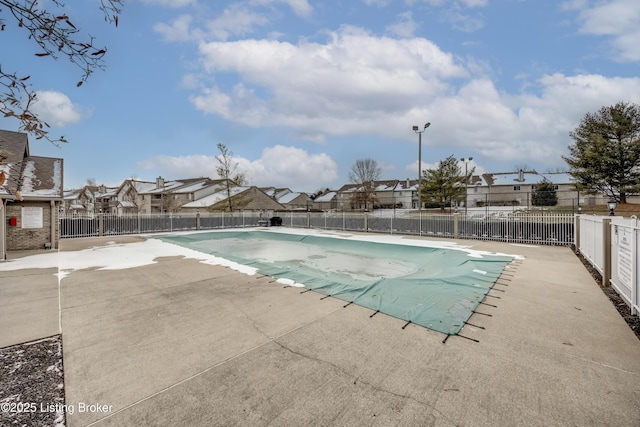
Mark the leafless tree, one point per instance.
(364, 173)
(56, 36)
(226, 170)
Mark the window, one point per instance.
(516, 188)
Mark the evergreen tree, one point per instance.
(544, 194)
(605, 154)
(444, 184)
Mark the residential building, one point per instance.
(129, 196)
(516, 189)
(327, 201)
(385, 194)
(289, 199)
(242, 198)
(170, 196)
(78, 202)
(295, 201)
(105, 199)
(31, 193)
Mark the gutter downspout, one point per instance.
(3, 229)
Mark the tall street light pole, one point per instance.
(466, 181)
(419, 132)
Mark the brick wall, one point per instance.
(19, 238)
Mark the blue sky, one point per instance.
(299, 90)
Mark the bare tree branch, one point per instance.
(56, 36)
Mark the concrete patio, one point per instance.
(180, 342)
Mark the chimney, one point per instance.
(159, 183)
(407, 183)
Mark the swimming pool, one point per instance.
(433, 286)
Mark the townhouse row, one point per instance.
(207, 195)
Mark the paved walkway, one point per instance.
(180, 342)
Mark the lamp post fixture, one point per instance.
(419, 132)
(466, 181)
(611, 204)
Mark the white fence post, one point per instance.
(606, 251)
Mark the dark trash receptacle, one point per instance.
(275, 221)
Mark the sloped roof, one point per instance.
(289, 197)
(168, 186)
(34, 176)
(180, 186)
(109, 192)
(326, 197)
(214, 198)
(348, 188)
(14, 148)
(513, 178)
(389, 185)
(142, 186)
(408, 184)
(42, 177)
(72, 194)
(192, 187)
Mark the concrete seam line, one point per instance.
(204, 371)
(572, 356)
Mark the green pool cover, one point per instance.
(434, 287)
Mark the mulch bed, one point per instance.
(32, 384)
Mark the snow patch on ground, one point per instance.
(115, 257)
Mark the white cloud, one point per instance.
(235, 20)
(462, 21)
(278, 166)
(299, 7)
(340, 87)
(474, 3)
(178, 31)
(287, 166)
(619, 19)
(56, 108)
(524, 127)
(356, 84)
(404, 26)
(171, 3)
(181, 166)
(379, 3)
(574, 4)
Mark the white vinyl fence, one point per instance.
(610, 244)
(590, 236)
(624, 263)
